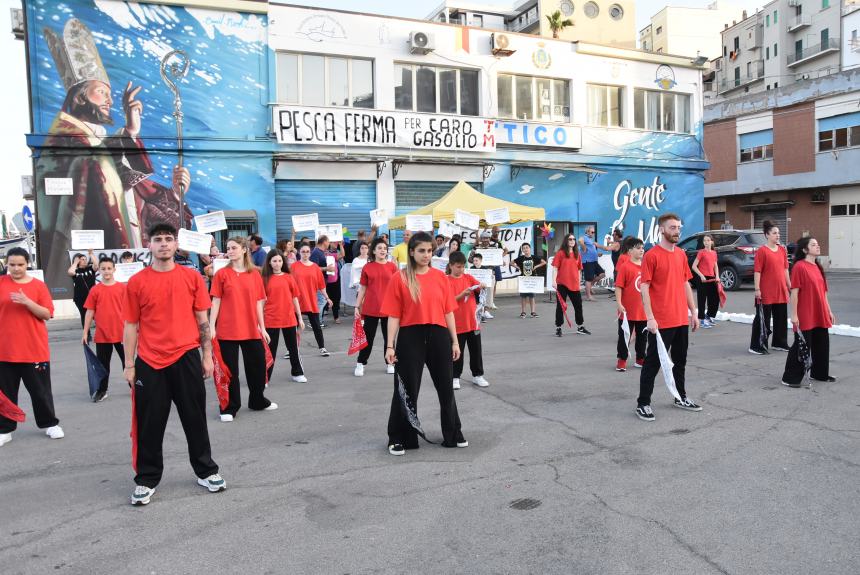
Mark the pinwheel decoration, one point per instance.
(547, 231)
(345, 232)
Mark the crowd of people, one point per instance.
(428, 318)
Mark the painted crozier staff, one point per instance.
(772, 286)
(420, 309)
(373, 284)
(166, 324)
(238, 321)
(283, 312)
(810, 314)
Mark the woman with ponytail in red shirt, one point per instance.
(282, 311)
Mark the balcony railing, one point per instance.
(831, 45)
(518, 24)
(728, 84)
(800, 22)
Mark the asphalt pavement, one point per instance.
(559, 477)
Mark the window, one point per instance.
(756, 145)
(530, 98)
(775, 85)
(616, 12)
(604, 105)
(737, 76)
(842, 131)
(478, 21)
(775, 54)
(767, 53)
(839, 210)
(767, 21)
(313, 80)
(659, 30)
(737, 43)
(661, 111)
(825, 4)
(775, 16)
(435, 89)
(825, 38)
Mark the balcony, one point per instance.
(799, 23)
(829, 47)
(729, 84)
(794, 3)
(523, 22)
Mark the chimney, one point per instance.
(726, 26)
(744, 15)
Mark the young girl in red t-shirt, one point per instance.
(568, 263)
(772, 285)
(309, 278)
(104, 304)
(282, 311)
(420, 309)
(373, 284)
(237, 318)
(708, 295)
(810, 314)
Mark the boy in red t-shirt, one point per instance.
(463, 287)
(104, 304)
(629, 302)
(166, 325)
(25, 306)
(667, 297)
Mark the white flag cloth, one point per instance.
(626, 330)
(666, 365)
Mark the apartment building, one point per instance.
(689, 31)
(488, 16)
(851, 35)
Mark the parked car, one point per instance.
(735, 253)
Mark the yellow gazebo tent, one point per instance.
(465, 197)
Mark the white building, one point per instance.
(489, 16)
(851, 35)
(689, 31)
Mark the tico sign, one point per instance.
(547, 135)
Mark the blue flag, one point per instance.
(96, 372)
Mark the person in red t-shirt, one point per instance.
(810, 314)
(282, 312)
(568, 263)
(666, 297)
(25, 306)
(463, 287)
(166, 324)
(629, 302)
(421, 328)
(705, 266)
(238, 321)
(772, 285)
(368, 305)
(104, 304)
(310, 280)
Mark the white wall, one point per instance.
(851, 53)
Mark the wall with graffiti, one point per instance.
(109, 82)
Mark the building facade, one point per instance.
(689, 31)
(789, 157)
(288, 110)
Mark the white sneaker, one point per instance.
(300, 379)
(272, 407)
(324, 352)
(488, 315)
(5, 438)
(389, 369)
(214, 483)
(359, 370)
(141, 495)
(226, 418)
(480, 381)
(55, 432)
(456, 383)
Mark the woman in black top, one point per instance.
(84, 278)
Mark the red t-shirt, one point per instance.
(772, 265)
(667, 274)
(239, 293)
(436, 300)
(567, 270)
(707, 261)
(163, 306)
(629, 279)
(811, 289)
(26, 338)
(622, 259)
(464, 315)
(375, 278)
(106, 301)
(309, 279)
(279, 310)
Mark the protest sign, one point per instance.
(491, 256)
(530, 284)
(467, 220)
(379, 217)
(194, 241)
(334, 232)
(420, 223)
(88, 239)
(213, 222)
(497, 216)
(123, 272)
(483, 275)
(306, 222)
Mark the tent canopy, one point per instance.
(465, 197)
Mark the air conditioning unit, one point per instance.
(803, 76)
(421, 43)
(502, 45)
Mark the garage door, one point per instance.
(777, 216)
(344, 202)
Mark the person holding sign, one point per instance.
(373, 284)
(568, 264)
(666, 296)
(463, 287)
(25, 306)
(310, 281)
(83, 279)
(104, 304)
(166, 325)
(421, 328)
(238, 319)
(629, 302)
(283, 312)
(477, 264)
(528, 265)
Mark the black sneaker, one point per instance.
(558, 332)
(396, 449)
(687, 404)
(100, 395)
(786, 384)
(830, 379)
(644, 412)
(582, 331)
